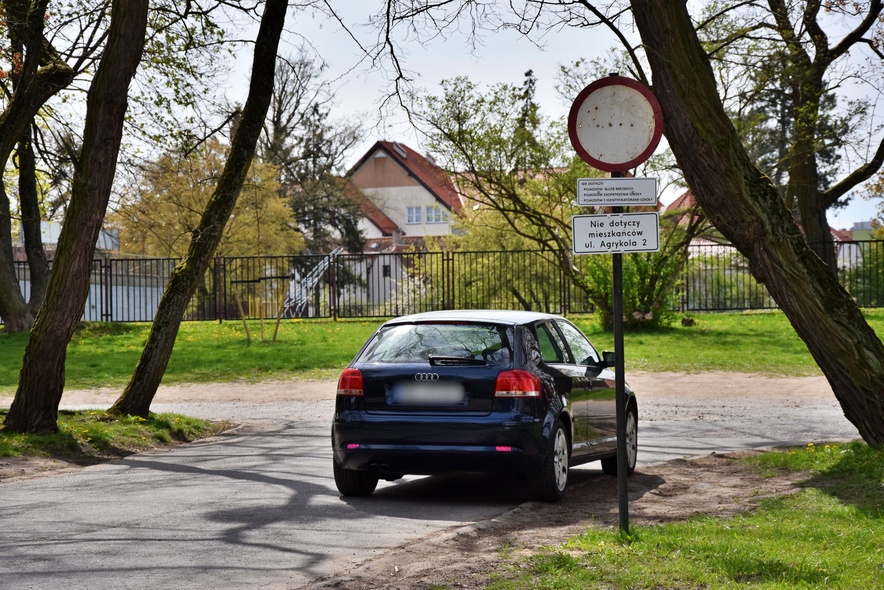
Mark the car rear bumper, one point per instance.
(370, 443)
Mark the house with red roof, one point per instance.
(404, 197)
(405, 200)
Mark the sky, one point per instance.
(501, 56)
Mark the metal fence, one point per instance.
(716, 278)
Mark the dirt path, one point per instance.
(686, 385)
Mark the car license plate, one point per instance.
(439, 393)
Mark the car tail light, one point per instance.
(350, 382)
(517, 383)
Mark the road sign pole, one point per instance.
(614, 125)
(620, 385)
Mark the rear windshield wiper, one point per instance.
(454, 360)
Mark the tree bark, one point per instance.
(38, 264)
(743, 204)
(41, 381)
(13, 308)
(804, 177)
(142, 387)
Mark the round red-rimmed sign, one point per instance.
(615, 124)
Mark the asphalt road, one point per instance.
(258, 508)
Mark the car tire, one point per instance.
(354, 483)
(549, 484)
(609, 464)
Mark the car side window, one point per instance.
(583, 351)
(552, 349)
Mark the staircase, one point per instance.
(300, 290)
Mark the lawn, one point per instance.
(104, 355)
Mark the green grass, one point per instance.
(88, 436)
(104, 355)
(828, 535)
(750, 342)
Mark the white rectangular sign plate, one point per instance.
(616, 191)
(615, 233)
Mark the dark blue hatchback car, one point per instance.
(453, 391)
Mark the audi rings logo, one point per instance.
(426, 377)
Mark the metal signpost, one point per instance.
(614, 125)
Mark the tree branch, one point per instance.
(857, 34)
(861, 174)
(608, 22)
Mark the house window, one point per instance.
(385, 271)
(414, 215)
(437, 215)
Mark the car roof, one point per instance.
(497, 316)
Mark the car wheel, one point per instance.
(609, 464)
(548, 484)
(354, 483)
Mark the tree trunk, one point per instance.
(743, 204)
(41, 381)
(38, 264)
(815, 223)
(804, 178)
(142, 387)
(13, 308)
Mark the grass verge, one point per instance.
(88, 436)
(828, 535)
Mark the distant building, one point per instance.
(50, 232)
(404, 196)
(862, 230)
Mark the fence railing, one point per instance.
(716, 278)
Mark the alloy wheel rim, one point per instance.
(560, 459)
(631, 440)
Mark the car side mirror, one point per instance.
(609, 358)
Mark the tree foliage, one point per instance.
(519, 170)
(49, 64)
(309, 148)
(786, 69)
(161, 215)
(740, 200)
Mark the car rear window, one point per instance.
(446, 343)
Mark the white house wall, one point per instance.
(395, 201)
(368, 229)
